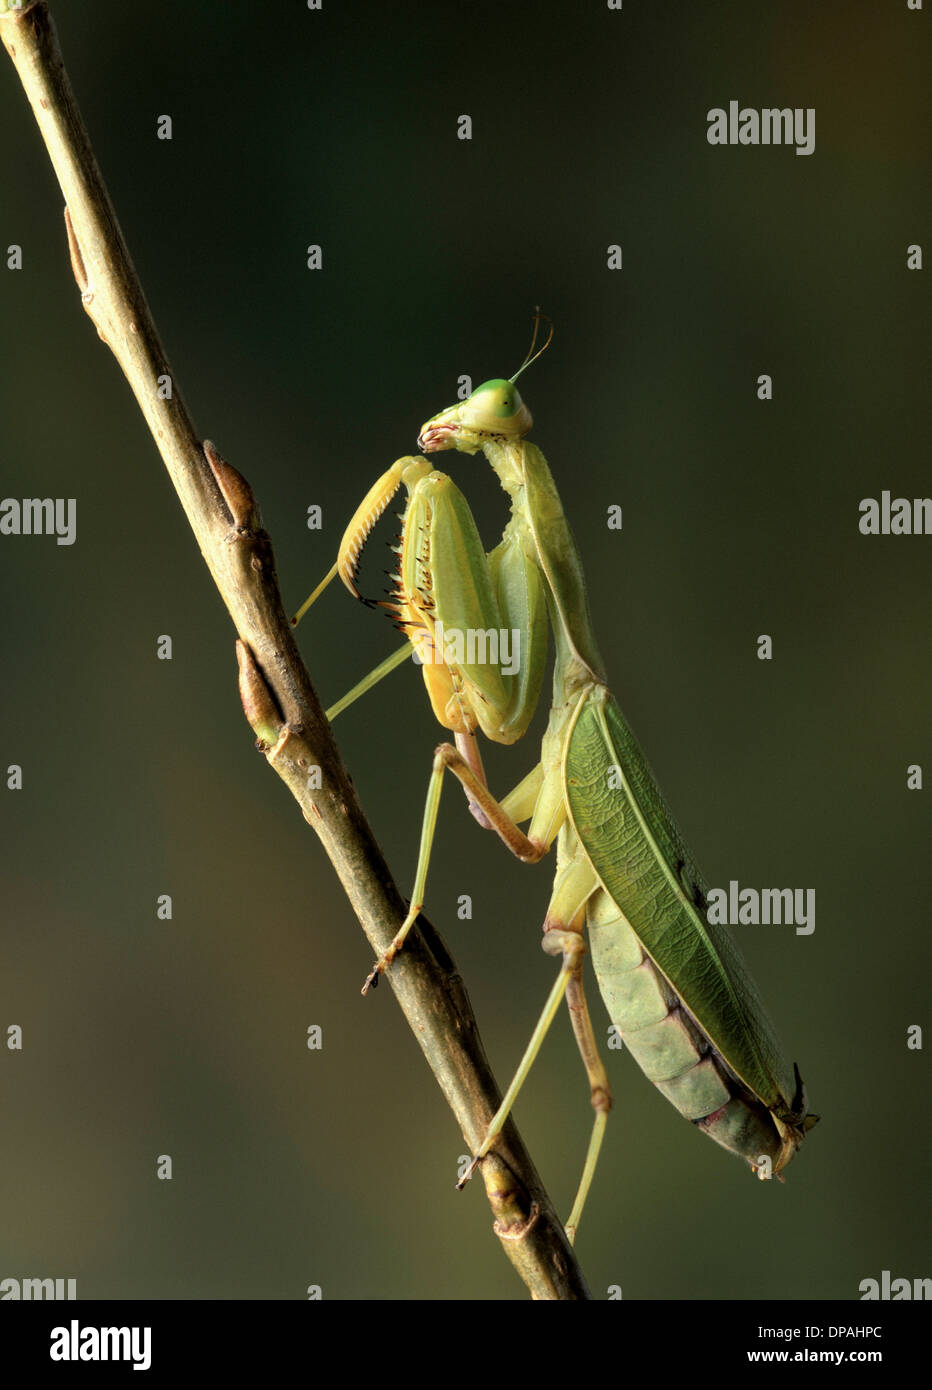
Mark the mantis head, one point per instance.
(494, 411)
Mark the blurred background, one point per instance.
(187, 1037)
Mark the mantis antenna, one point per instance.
(538, 315)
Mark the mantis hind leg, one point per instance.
(563, 936)
(574, 888)
(572, 949)
(600, 1091)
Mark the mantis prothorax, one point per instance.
(674, 985)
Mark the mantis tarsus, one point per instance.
(674, 985)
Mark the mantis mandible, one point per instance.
(674, 985)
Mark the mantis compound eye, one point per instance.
(498, 398)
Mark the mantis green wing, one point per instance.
(707, 1042)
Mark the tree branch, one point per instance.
(278, 697)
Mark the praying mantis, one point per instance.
(674, 985)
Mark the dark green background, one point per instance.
(143, 1037)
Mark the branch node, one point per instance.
(236, 492)
(259, 705)
(520, 1229)
(77, 260)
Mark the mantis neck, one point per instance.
(539, 524)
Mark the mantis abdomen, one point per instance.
(669, 1045)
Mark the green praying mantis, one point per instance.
(674, 985)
